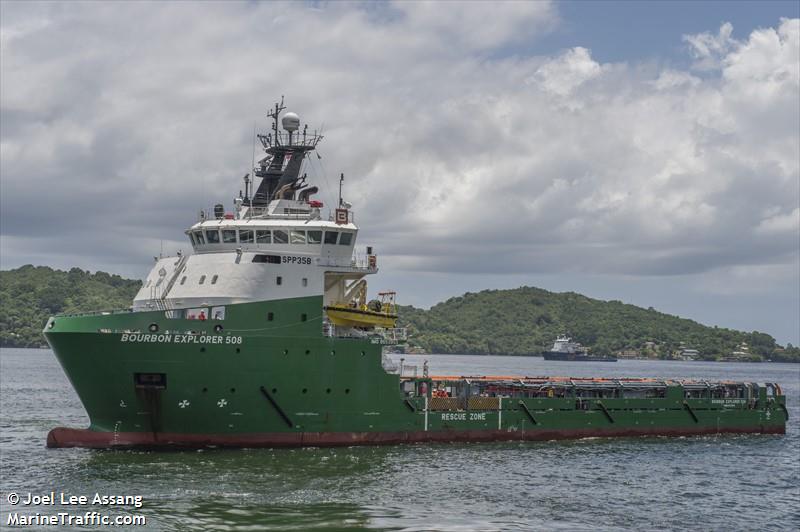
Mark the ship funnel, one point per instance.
(290, 122)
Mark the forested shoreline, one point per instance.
(521, 321)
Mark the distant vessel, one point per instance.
(264, 337)
(565, 349)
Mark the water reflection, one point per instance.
(231, 513)
(715, 482)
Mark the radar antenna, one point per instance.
(273, 114)
(286, 147)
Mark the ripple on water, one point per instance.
(711, 482)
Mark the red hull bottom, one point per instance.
(65, 437)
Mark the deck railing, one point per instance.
(460, 403)
(95, 313)
(353, 263)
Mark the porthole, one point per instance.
(233, 390)
(205, 390)
(274, 390)
(347, 390)
(202, 279)
(153, 327)
(218, 328)
(308, 352)
(363, 353)
(333, 353)
(285, 351)
(328, 390)
(238, 350)
(202, 349)
(183, 279)
(304, 282)
(305, 390)
(279, 280)
(51, 324)
(303, 317)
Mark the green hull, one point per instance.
(259, 383)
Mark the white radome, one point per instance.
(290, 122)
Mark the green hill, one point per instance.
(31, 294)
(515, 322)
(526, 321)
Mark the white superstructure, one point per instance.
(564, 344)
(274, 245)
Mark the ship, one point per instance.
(565, 349)
(264, 336)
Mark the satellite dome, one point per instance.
(290, 122)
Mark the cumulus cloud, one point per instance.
(710, 49)
(476, 25)
(565, 73)
(459, 155)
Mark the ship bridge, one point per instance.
(258, 259)
(273, 246)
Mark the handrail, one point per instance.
(176, 273)
(95, 313)
(357, 263)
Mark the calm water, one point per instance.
(708, 483)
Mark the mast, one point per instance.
(280, 169)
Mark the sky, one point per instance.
(647, 152)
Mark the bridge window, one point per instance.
(298, 237)
(198, 236)
(345, 239)
(202, 279)
(246, 236)
(263, 237)
(218, 313)
(191, 237)
(214, 279)
(229, 236)
(270, 316)
(314, 237)
(331, 236)
(280, 237)
(212, 237)
(269, 259)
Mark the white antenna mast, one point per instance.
(253, 172)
